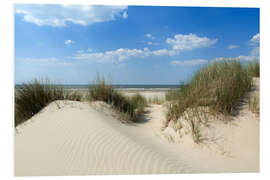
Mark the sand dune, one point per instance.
(75, 138)
(78, 140)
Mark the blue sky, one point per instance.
(129, 44)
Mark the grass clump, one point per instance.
(139, 102)
(254, 104)
(129, 107)
(73, 96)
(254, 69)
(220, 87)
(172, 94)
(156, 100)
(31, 97)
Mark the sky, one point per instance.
(70, 44)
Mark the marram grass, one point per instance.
(33, 96)
(253, 68)
(220, 86)
(128, 107)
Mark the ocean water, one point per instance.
(127, 86)
(121, 86)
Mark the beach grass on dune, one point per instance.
(156, 100)
(139, 102)
(33, 96)
(173, 93)
(253, 68)
(128, 107)
(220, 86)
(254, 104)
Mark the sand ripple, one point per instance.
(78, 140)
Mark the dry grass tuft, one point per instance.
(220, 86)
(31, 97)
(254, 104)
(254, 69)
(128, 107)
(156, 100)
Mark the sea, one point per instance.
(125, 86)
(144, 87)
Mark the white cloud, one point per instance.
(182, 42)
(160, 52)
(89, 50)
(255, 39)
(80, 51)
(190, 62)
(233, 46)
(255, 51)
(255, 42)
(125, 15)
(178, 44)
(247, 58)
(224, 58)
(149, 36)
(69, 42)
(45, 61)
(152, 43)
(254, 54)
(120, 54)
(60, 15)
(237, 58)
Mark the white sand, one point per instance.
(147, 94)
(78, 140)
(73, 138)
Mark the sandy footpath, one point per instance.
(77, 138)
(147, 94)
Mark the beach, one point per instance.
(135, 89)
(85, 138)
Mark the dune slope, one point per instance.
(78, 140)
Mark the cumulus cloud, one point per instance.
(254, 54)
(237, 58)
(160, 52)
(224, 58)
(80, 51)
(179, 43)
(152, 43)
(255, 51)
(60, 15)
(125, 15)
(247, 58)
(255, 39)
(190, 62)
(89, 49)
(255, 42)
(120, 54)
(69, 42)
(182, 42)
(149, 36)
(233, 46)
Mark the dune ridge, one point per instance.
(82, 138)
(78, 140)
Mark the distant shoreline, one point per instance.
(131, 87)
